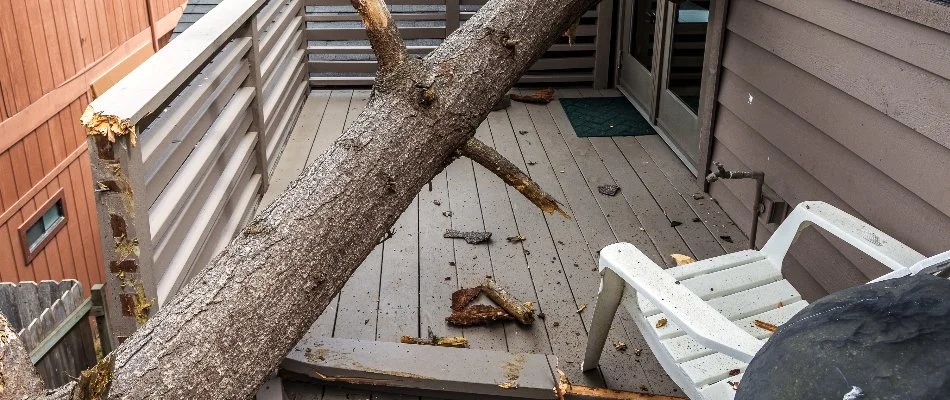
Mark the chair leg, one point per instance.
(611, 292)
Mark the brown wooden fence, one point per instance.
(210, 114)
(51, 318)
(339, 54)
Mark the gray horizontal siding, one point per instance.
(193, 12)
(840, 102)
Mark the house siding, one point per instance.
(841, 102)
(50, 53)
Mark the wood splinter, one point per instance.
(511, 174)
(565, 389)
(459, 342)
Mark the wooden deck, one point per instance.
(404, 286)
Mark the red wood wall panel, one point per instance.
(44, 45)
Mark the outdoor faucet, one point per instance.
(759, 176)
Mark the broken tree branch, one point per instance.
(511, 174)
(523, 311)
(18, 377)
(383, 35)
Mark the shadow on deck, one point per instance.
(404, 287)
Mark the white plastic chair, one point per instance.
(699, 318)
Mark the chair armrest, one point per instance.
(681, 306)
(879, 245)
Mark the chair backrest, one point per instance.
(929, 265)
(932, 265)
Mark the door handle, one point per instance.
(651, 17)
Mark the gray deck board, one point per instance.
(621, 370)
(472, 262)
(509, 259)
(695, 234)
(399, 280)
(437, 275)
(404, 287)
(712, 215)
(569, 256)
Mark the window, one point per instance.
(40, 229)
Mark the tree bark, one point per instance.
(18, 377)
(231, 325)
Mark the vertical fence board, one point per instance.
(54, 324)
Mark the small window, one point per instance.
(40, 229)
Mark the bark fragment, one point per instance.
(515, 239)
(765, 325)
(462, 297)
(543, 96)
(470, 237)
(523, 312)
(608, 190)
(478, 314)
(682, 259)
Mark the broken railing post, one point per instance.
(100, 311)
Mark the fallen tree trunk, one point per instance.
(232, 324)
(18, 377)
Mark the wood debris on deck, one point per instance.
(405, 286)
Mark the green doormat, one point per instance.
(605, 116)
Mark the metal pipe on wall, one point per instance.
(151, 24)
(759, 177)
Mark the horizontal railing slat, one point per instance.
(147, 87)
(354, 17)
(428, 32)
(287, 43)
(241, 160)
(182, 191)
(265, 17)
(286, 21)
(281, 132)
(159, 134)
(190, 134)
(283, 81)
(282, 104)
(239, 208)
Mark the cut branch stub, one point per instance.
(511, 174)
(523, 311)
(382, 33)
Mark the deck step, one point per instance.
(415, 369)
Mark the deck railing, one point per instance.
(338, 52)
(198, 129)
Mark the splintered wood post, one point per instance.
(521, 311)
(106, 341)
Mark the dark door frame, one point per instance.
(709, 89)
